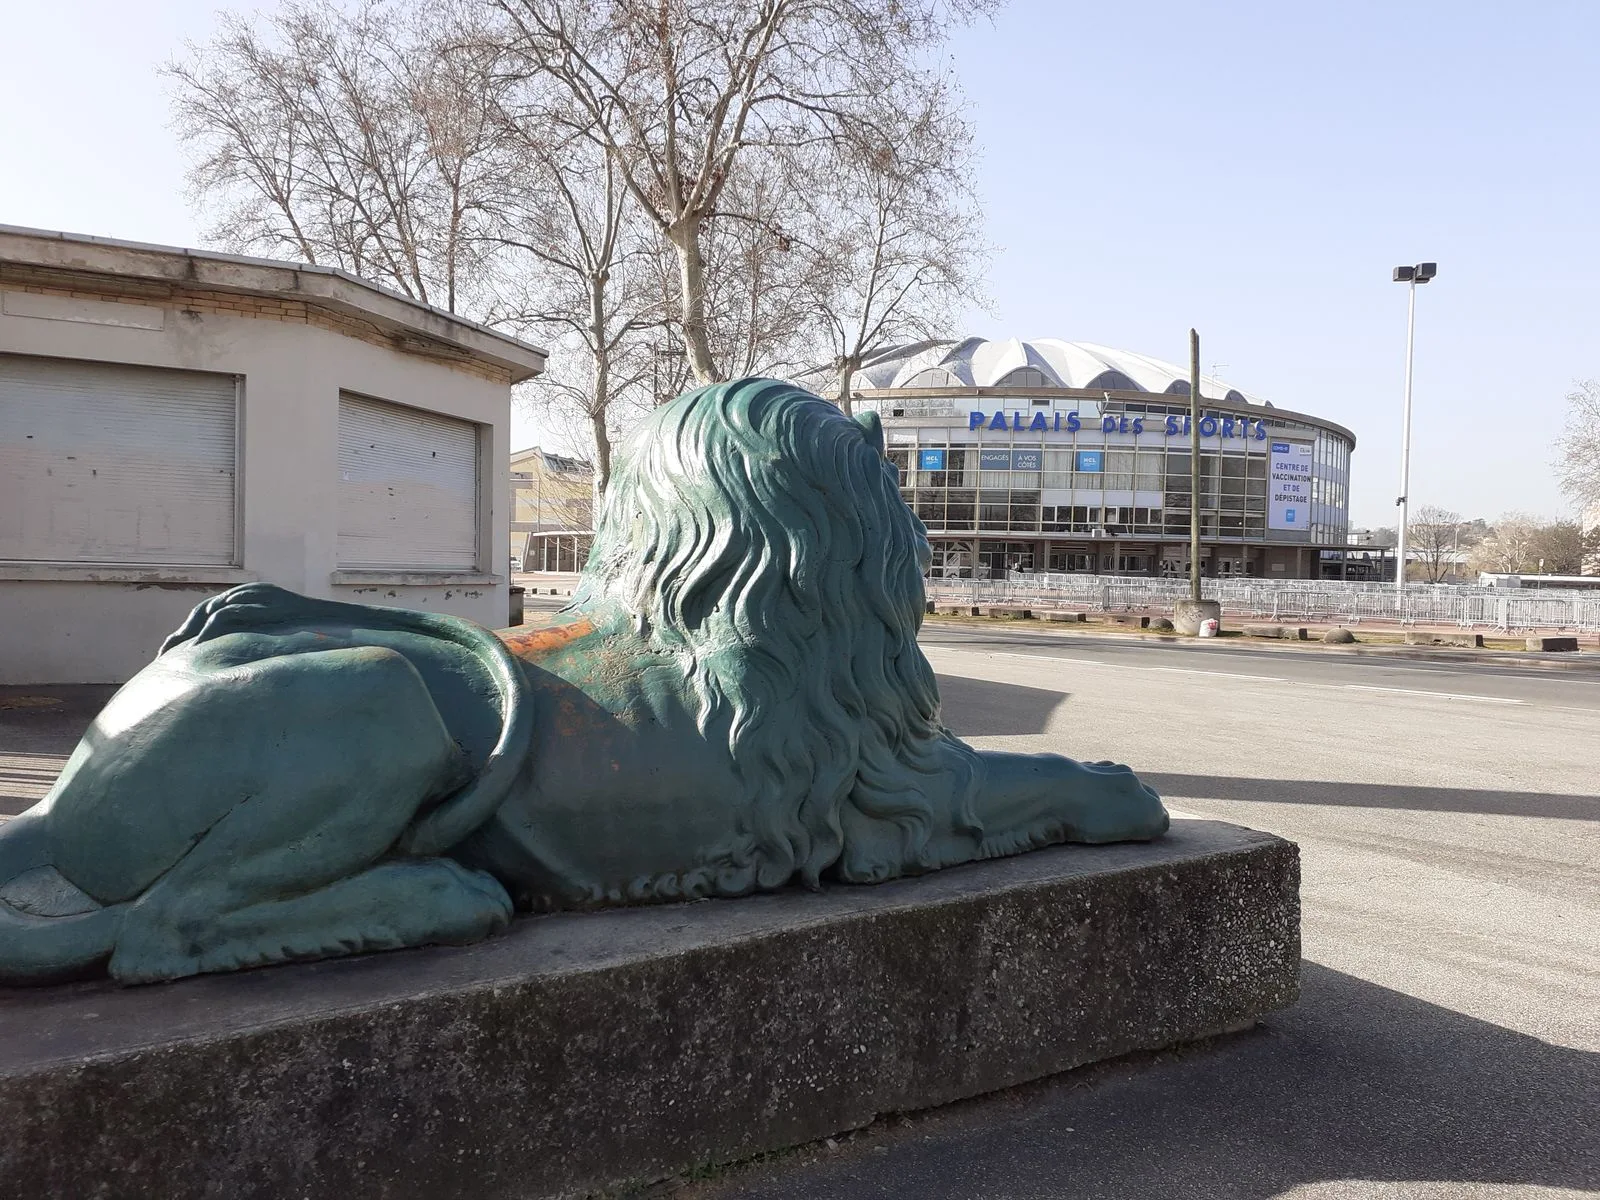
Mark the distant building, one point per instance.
(1054, 456)
(175, 422)
(1369, 555)
(552, 497)
(1492, 579)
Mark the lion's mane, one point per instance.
(757, 533)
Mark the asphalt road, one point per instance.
(1447, 1043)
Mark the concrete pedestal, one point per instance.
(1188, 615)
(576, 1052)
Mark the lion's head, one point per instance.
(758, 533)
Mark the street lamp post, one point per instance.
(1411, 276)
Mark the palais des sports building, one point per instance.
(1053, 456)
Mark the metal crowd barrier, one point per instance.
(1290, 599)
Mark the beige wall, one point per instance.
(76, 624)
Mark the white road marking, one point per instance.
(1059, 658)
(1095, 662)
(1223, 674)
(1367, 687)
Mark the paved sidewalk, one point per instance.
(39, 726)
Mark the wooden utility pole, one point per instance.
(1194, 466)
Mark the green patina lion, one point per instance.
(734, 701)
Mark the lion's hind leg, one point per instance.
(405, 902)
(332, 756)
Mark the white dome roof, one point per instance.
(1045, 362)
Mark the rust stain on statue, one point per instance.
(543, 641)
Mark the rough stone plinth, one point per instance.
(1440, 638)
(581, 1051)
(1074, 618)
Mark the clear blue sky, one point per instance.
(1252, 169)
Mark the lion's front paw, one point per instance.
(1116, 806)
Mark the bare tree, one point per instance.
(1434, 538)
(1578, 450)
(1511, 546)
(578, 265)
(904, 233)
(685, 96)
(764, 262)
(1558, 548)
(345, 137)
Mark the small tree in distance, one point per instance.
(1578, 449)
(1434, 535)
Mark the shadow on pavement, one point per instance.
(1356, 1083)
(979, 708)
(1375, 795)
(39, 726)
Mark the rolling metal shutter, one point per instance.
(408, 488)
(105, 463)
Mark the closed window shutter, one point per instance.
(105, 463)
(408, 488)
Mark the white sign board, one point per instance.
(1289, 486)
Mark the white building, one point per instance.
(175, 422)
(1054, 456)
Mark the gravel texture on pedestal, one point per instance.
(583, 1051)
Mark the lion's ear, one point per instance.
(872, 425)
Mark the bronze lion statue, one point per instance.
(734, 701)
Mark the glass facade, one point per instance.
(1039, 495)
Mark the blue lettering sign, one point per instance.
(1210, 426)
(1089, 461)
(930, 460)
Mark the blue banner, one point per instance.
(994, 460)
(930, 460)
(1090, 461)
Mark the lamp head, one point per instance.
(1404, 274)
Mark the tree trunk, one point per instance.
(602, 463)
(600, 401)
(685, 238)
(846, 374)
